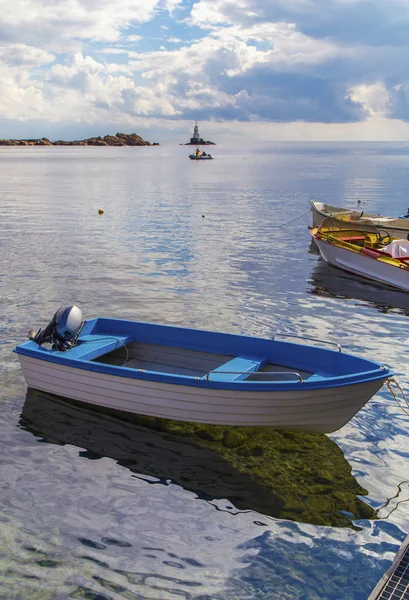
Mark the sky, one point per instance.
(245, 69)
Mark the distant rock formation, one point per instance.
(119, 139)
(199, 142)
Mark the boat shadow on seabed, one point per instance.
(298, 476)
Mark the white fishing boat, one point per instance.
(396, 227)
(374, 255)
(200, 376)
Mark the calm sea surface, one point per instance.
(90, 507)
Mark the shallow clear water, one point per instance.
(222, 245)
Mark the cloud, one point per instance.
(368, 37)
(269, 72)
(172, 5)
(133, 38)
(374, 98)
(20, 54)
(222, 76)
(247, 60)
(353, 21)
(113, 51)
(58, 25)
(399, 101)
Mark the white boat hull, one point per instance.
(398, 228)
(316, 410)
(365, 266)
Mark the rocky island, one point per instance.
(196, 140)
(119, 139)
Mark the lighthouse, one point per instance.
(195, 140)
(196, 135)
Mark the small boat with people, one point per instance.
(363, 250)
(396, 227)
(200, 155)
(197, 375)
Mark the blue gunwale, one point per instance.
(332, 369)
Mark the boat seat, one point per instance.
(237, 369)
(92, 346)
(371, 252)
(352, 238)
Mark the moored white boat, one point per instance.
(203, 376)
(374, 255)
(398, 228)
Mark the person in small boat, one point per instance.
(204, 153)
(197, 151)
(406, 216)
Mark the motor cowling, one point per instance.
(62, 330)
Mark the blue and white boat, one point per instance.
(194, 375)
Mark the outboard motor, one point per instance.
(62, 331)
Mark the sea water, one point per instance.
(221, 245)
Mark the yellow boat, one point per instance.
(366, 251)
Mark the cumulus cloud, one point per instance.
(375, 98)
(269, 72)
(20, 54)
(363, 21)
(113, 51)
(281, 61)
(370, 38)
(57, 24)
(133, 38)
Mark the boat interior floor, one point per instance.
(194, 363)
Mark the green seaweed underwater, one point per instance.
(306, 474)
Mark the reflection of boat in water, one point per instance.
(143, 450)
(329, 281)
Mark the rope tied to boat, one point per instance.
(292, 220)
(389, 500)
(389, 382)
(112, 337)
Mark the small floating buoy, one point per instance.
(100, 211)
(203, 216)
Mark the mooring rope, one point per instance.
(389, 383)
(390, 500)
(292, 220)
